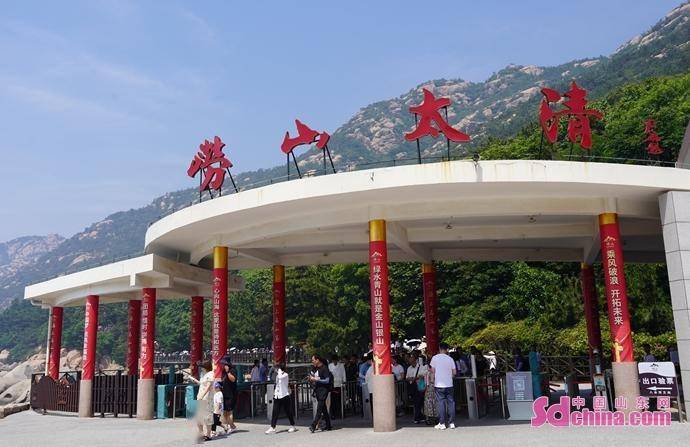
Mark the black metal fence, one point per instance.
(114, 393)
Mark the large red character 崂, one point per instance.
(428, 111)
(579, 130)
(210, 154)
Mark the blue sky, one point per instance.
(104, 102)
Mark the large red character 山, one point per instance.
(579, 130)
(428, 111)
(210, 154)
(305, 135)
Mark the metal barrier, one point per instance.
(114, 393)
(47, 394)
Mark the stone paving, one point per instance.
(31, 429)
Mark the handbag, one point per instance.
(421, 383)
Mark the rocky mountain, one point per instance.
(496, 108)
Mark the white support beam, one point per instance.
(259, 254)
(397, 235)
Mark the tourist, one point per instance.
(397, 369)
(462, 365)
(204, 401)
(217, 406)
(351, 369)
(519, 361)
(337, 370)
(229, 394)
(443, 368)
(363, 368)
(416, 374)
(263, 371)
(492, 361)
(255, 375)
(281, 398)
(648, 356)
(320, 378)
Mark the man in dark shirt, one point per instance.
(351, 369)
(320, 378)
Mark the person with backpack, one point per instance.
(416, 379)
(322, 380)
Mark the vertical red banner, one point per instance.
(148, 333)
(430, 308)
(380, 307)
(55, 342)
(219, 316)
(90, 334)
(591, 308)
(279, 313)
(133, 334)
(197, 334)
(616, 294)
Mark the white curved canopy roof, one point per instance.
(459, 210)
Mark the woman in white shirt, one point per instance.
(204, 400)
(281, 399)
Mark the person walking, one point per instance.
(255, 375)
(229, 394)
(321, 379)
(204, 401)
(416, 379)
(281, 399)
(217, 407)
(337, 370)
(443, 367)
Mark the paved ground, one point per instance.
(32, 429)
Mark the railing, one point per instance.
(55, 395)
(113, 392)
(553, 367)
(293, 356)
(353, 166)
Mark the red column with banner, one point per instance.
(279, 313)
(197, 334)
(148, 333)
(55, 342)
(380, 309)
(591, 308)
(430, 308)
(219, 317)
(90, 334)
(133, 334)
(616, 294)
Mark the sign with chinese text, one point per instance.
(653, 139)
(210, 162)
(380, 311)
(657, 379)
(519, 386)
(431, 122)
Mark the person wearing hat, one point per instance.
(217, 407)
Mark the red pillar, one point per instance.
(616, 294)
(591, 305)
(219, 326)
(197, 333)
(55, 342)
(279, 313)
(90, 337)
(380, 308)
(148, 333)
(430, 308)
(133, 334)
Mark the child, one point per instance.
(217, 406)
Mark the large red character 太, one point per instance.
(210, 154)
(428, 111)
(579, 129)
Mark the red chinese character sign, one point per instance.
(305, 135)
(211, 164)
(653, 139)
(428, 121)
(575, 102)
